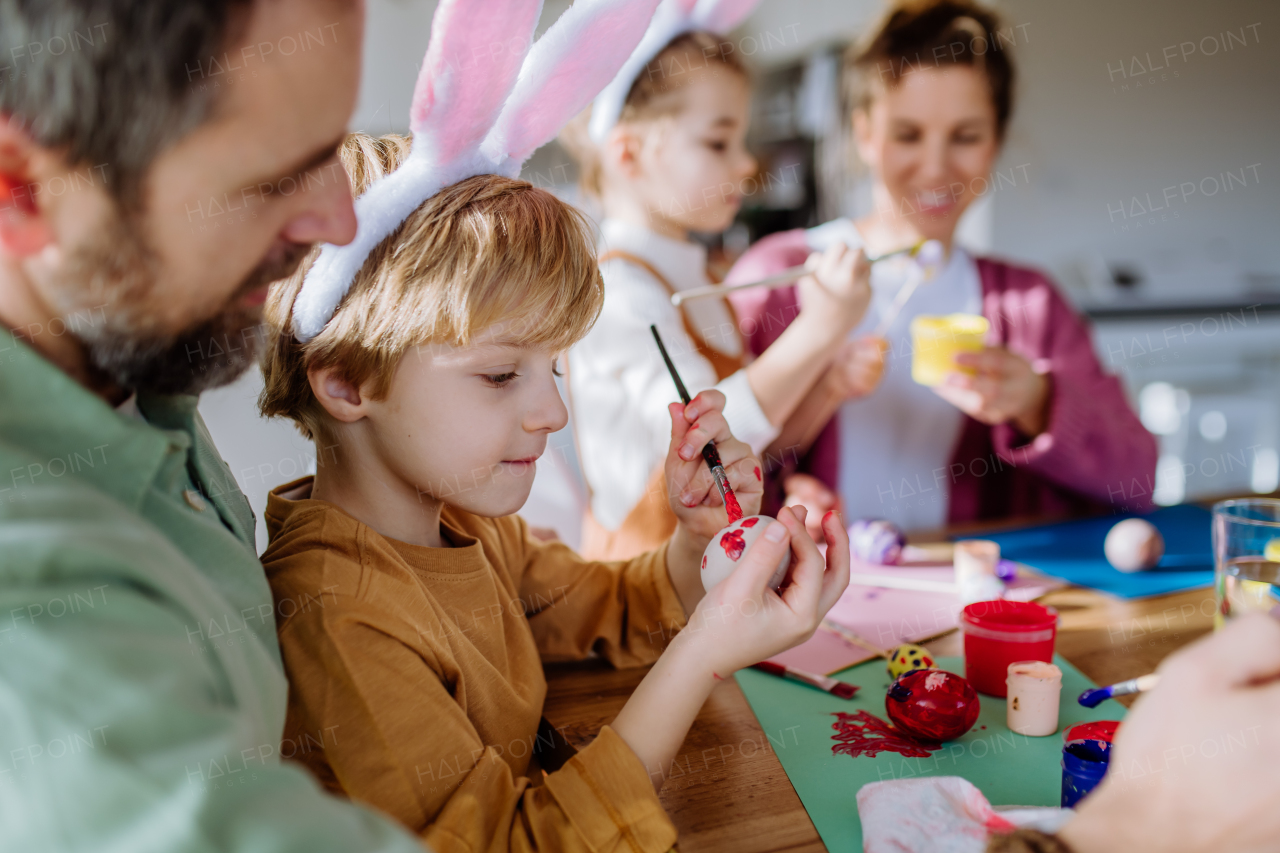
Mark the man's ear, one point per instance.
(345, 401)
(24, 231)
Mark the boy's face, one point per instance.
(465, 425)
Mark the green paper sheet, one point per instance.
(1009, 769)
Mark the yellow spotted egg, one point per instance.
(908, 658)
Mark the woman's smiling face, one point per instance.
(931, 142)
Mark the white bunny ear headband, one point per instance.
(673, 18)
(486, 99)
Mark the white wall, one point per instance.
(1091, 145)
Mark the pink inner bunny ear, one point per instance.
(568, 66)
(472, 61)
(721, 16)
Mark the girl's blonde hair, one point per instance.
(655, 94)
(483, 251)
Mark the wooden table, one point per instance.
(727, 791)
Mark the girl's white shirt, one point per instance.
(619, 386)
(896, 443)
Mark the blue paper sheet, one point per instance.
(1072, 551)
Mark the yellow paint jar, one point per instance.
(935, 341)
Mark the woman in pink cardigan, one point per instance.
(1038, 428)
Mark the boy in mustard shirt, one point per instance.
(415, 611)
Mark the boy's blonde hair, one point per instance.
(485, 250)
(654, 94)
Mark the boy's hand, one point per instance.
(692, 492)
(741, 621)
(857, 368)
(838, 288)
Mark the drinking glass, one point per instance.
(1246, 551)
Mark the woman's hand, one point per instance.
(692, 492)
(807, 491)
(836, 292)
(741, 621)
(1004, 388)
(857, 368)
(1194, 763)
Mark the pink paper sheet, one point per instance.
(888, 617)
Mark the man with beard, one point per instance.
(160, 164)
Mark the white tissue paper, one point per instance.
(941, 814)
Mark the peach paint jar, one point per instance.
(975, 558)
(1035, 689)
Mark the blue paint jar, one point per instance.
(1086, 753)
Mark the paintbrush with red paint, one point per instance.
(709, 452)
(822, 682)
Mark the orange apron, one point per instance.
(651, 522)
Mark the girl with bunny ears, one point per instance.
(414, 610)
(663, 149)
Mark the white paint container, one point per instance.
(1035, 689)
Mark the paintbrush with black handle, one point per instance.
(709, 452)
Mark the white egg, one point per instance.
(1133, 545)
(729, 545)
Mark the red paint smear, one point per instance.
(750, 522)
(866, 734)
(704, 561)
(733, 544)
(995, 823)
(757, 470)
(731, 506)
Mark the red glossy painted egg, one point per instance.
(932, 705)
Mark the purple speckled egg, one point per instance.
(876, 540)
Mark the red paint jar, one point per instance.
(998, 633)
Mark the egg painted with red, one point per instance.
(728, 547)
(932, 705)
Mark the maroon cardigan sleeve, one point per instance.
(1094, 455)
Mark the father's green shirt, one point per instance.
(142, 696)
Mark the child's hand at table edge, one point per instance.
(692, 491)
(807, 491)
(741, 621)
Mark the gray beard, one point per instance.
(105, 292)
